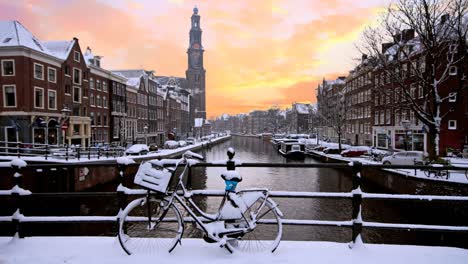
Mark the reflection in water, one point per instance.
(325, 180)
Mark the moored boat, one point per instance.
(292, 150)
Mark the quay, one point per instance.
(397, 180)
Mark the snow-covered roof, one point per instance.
(135, 82)
(60, 49)
(302, 108)
(13, 33)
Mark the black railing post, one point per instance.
(17, 165)
(123, 163)
(89, 153)
(189, 178)
(98, 152)
(66, 152)
(356, 203)
(46, 150)
(18, 146)
(78, 153)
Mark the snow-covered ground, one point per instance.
(160, 153)
(42, 250)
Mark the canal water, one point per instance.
(324, 180)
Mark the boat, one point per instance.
(292, 150)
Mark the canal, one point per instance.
(326, 180)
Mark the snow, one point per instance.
(19, 163)
(41, 250)
(154, 179)
(125, 161)
(13, 33)
(198, 122)
(302, 108)
(60, 49)
(15, 189)
(231, 175)
(137, 148)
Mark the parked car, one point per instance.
(137, 149)
(153, 147)
(171, 144)
(182, 143)
(190, 141)
(356, 151)
(405, 158)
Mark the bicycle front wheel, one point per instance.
(146, 228)
(267, 233)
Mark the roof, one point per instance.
(302, 108)
(13, 33)
(60, 49)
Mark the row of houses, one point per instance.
(53, 93)
(296, 119)
(383, 101)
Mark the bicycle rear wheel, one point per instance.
(267, 234)
(141, 230)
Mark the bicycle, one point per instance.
(437, 173)
(154, 223)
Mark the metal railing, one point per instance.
(356, 223)
(47, 151)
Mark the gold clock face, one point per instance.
(196, 46)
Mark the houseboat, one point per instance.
(292, 150)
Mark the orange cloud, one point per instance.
(257, 53)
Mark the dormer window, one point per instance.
(76, 56)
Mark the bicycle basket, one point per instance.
(154, 178)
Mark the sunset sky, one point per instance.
(258, 53)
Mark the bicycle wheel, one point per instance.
(142, 232)
(267, 234)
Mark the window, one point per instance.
(76, 56)
(92, 118)
(104, 86)
(38, 71)
(52, 75)
(67, 89)
(104, 119)
(98, 119)
(98, 85)
(8, 67)
(453, 48)
(452, 124)
(52, 99)
(9, 95)
(453, 70)
(76, 76)
(98, 99)
(420, 91)
(76, 94)
(104, 102)
(453, 97)
(67, 70)
(38, 97)
(91, 83)
(92, 100)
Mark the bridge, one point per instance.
(22, 218)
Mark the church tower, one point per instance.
(196, 73)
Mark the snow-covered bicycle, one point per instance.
(246, 221)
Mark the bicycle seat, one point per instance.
(231, 175)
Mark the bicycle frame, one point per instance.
(186, 202)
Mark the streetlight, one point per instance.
(146, 134)
(65, 116)
(406, 125)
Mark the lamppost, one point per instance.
(65, 116)
(146, 134)
(406, 125)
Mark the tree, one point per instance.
(435, 55)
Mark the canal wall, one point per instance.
(88, 177)
(401, 182)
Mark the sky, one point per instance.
(257, 53)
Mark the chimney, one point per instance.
(444, 18)
(386, 46)
(408, 34)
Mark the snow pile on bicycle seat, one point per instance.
(152, 178)
(231, 175)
